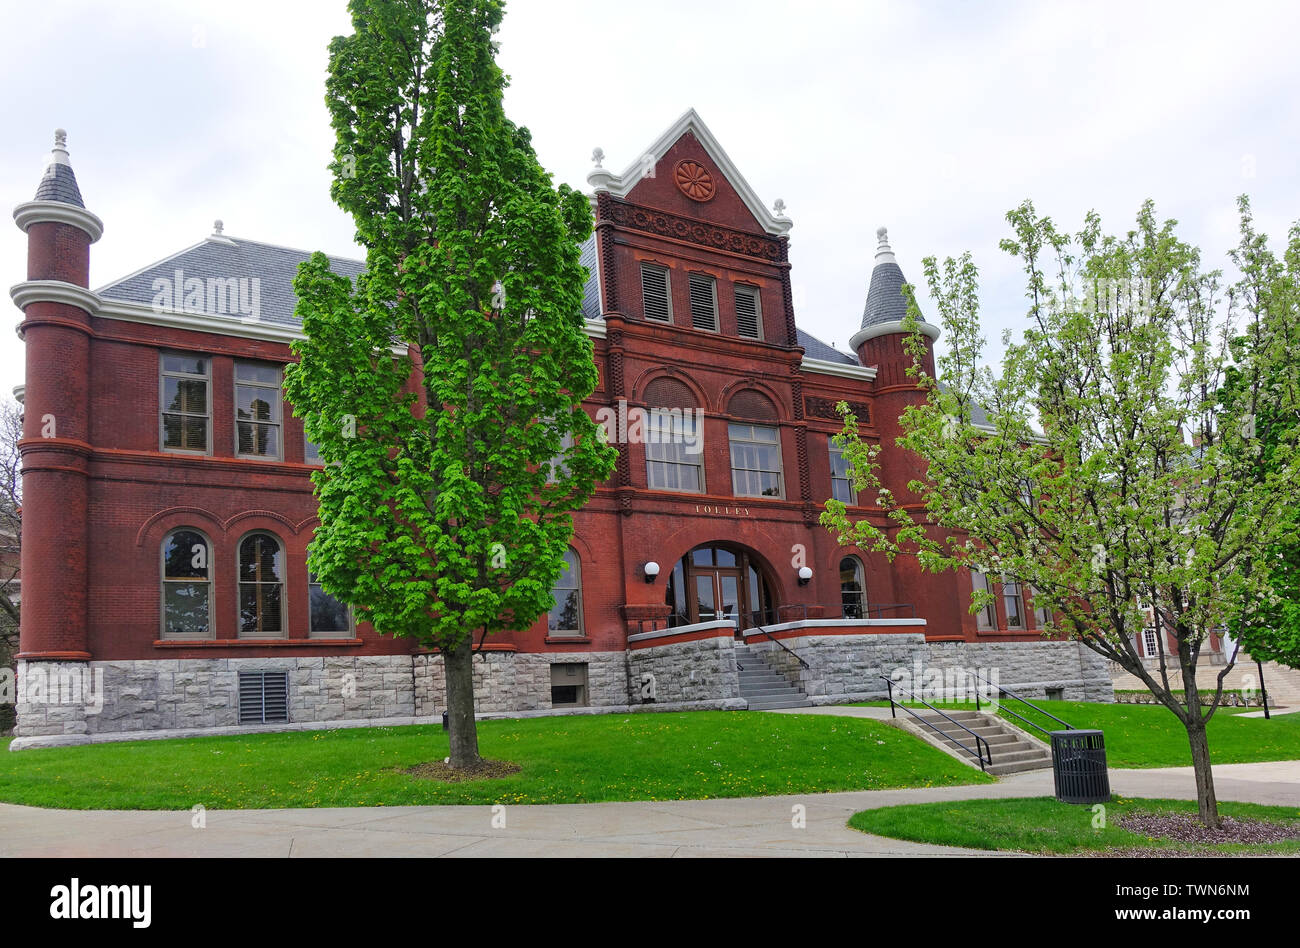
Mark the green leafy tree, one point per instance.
(444, 389)
(1108, 476)
(1267, 626)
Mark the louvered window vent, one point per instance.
(264, 697)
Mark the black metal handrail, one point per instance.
(759, 628)
(1030, 704)
(984, 758)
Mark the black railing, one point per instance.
(981, 752)
(1028, 704)
(790, 651)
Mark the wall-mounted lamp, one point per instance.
(651, 571)
(805, 575)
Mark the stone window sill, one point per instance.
(254, 643)
(567, 640)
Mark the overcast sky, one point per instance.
(933, 119)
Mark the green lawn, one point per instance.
(1042, 825)
(577, 759)
(1139, 735)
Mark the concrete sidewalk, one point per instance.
(741, 827)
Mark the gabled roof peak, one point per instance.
(602, 179)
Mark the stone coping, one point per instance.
(840, 624)
(684, 630)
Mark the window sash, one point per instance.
(987, 618)
(182, 419)
(565, 617)
(257, 436)
(755, 461)
(319, 600)
(841, 477)
(1014, 602)
(670, 464)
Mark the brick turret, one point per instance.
(57, 307)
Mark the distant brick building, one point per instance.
(168, 507)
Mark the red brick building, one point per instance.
(168, 507)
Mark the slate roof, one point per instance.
(275, 267)
(885, 301)
(814, 348)
(225, 258)
(59, 184)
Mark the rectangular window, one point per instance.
(310, 453)
(654, 291)
(674, 459)
(569, 685)
(755, 461)
(749, 312)
(264, 697)
(186, 403)
(1150, 642)
(986, 619)
(330, 619)
(1042, 614)
(556, 468)
(1014, 602)
(841, 477)
(257, 410)
(704, 301)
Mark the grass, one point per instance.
(577, 759)
(1042, 825)
(1139, 735)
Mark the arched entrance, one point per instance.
(720, 581)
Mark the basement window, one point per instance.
(264, 697)
(569, 685)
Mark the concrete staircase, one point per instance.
(763, 686)
(1010, 750)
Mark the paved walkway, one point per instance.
(742, 827)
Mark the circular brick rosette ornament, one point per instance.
(694, 180)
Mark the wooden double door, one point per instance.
(722, 583)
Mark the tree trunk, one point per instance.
(1206, 803)
(458, 665)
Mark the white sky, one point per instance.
(931, 118)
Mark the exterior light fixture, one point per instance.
(651, 571)
(805, 575)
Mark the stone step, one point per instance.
(773, 692)
(767, 704)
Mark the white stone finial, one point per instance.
(884, 254)
(217, 228)
(59, 154)
(779, 208)
(598, 156)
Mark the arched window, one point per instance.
(853, 588)
(261, 587)
(565, 617)
(186, 585)
(330, 618)
(755, 449)
(674, 456)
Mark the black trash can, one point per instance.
(1079, 767)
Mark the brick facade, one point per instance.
(100, 495)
